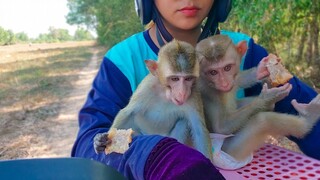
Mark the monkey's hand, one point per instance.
(100, 142)
(273, 95)
(262, 70)
(309, 111)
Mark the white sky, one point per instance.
(34, 17)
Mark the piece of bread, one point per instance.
(279, 75)
(120, 139)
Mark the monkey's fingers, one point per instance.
(100, 142)
(100, 146)
(314, 105)
(309, 111)
(284, 91)
(276, 94)
(101, 137)
(99, 149)
(262, 74)
(300, 107)
(316, 100)
(262, 70)
(264, 87)
(286, 88)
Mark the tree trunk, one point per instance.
(309, 46)
(303, 39)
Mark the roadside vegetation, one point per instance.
(54, 35)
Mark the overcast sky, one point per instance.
(34, 16)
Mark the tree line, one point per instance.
(7, 37)
(289, 28)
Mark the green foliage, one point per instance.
(22, 37)
(82, 12)
(7, 37)
(113, 20)
(82, 34)
(59, 34)
(287, 28)
(55, 35)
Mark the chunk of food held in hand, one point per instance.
(120, 139)
(279, 75)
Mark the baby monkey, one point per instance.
(240, 127)
(167, 101)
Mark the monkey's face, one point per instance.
(220, 75)
(179, 87)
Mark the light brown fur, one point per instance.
(253, 121)
(151, 111)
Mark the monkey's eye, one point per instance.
(227, 68)
(189, 78)
(174, 79)
(213, 72)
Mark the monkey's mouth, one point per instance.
(177, 102)
(225, 88)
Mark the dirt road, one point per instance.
(67, 122)
(54, 136)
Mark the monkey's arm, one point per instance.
(252, 76)
(247, 78)
(180, 131)
(124, 119)
(234, 120)
(244, 101)
(309, 111)
(199, 133)
(300, 91)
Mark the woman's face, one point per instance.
(183, 14)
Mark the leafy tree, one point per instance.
(22, 37)
(43, 38)
(3, 36)
(287, 28)
(11, 38)
(82, 12)
(82, 34)
(113, 20)
(59, 35)
(7, 37)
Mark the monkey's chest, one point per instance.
(160, 119)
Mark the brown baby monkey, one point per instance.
(167, 101)
(242, 126)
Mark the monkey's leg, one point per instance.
(254, 134)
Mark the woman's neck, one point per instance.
(190, 36)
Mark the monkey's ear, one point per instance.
(152, 66)
(242, 47)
